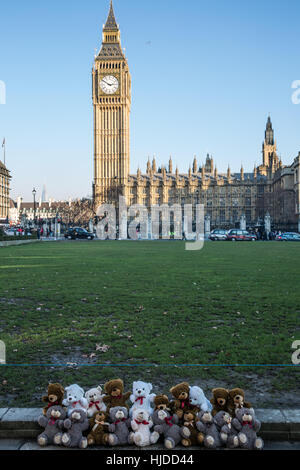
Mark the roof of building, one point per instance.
(3, 169)
(111, 24)
(111, 50)
(235, 177)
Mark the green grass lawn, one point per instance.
(151, 303)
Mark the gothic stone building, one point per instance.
(4, 192)
(270, 188)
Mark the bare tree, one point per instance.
(77, 212)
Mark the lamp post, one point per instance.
(34, 206)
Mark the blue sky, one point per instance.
(205, 75)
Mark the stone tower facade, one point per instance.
(271, 161)
(111, 102)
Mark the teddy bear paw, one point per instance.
(57, 439)
(83, 443)
(243, 438)
(235, 441)
(138, 439)
(186, 442)
(210, 441)
(259, 443)
(154, 437)
(186, 432)
(112, 440)
(169, 443)
(65, 439)
(42, 441)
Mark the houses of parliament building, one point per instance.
(271, 188)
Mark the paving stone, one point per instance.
(269, 445)
(32, 445)
(21, 418)
(293, 417)
(272, 419)
(2, 412)
(11, 444)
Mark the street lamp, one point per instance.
(34, 206)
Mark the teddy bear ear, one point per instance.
(150, 387)
(99, 388)
(172, 389)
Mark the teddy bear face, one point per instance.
(141, 415)
(100, 417)
(189, 417)
(221, 396)
(114, 388)
(74, 393)
(159, 416)
(244, 415)
(222, 418)
(237, 396)
(118, 413)
(56, 412)
(181, 391)
(161, 402)
(141, 389)
(196, 396)
(55, 393)
(94, 395)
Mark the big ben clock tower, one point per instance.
(111, 102)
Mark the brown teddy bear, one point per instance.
(54, 398)
(237, 400)
(192, 436)
(115, 395)
(181, 393)
(219, 400)
(161, 402)
(98, 434)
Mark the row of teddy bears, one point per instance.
(92, 418)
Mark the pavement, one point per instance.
(31, 445)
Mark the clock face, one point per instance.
(109, 84)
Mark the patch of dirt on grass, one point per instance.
(76, 357)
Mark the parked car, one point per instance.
(240, 235)
(288, 237)
(78, 232)
(218, 235)
(10, 232)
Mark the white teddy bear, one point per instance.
(197, 398)
(141, 397)
(75, 399)
(95, 401)
(141, 424)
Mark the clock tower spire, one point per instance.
(111, 103)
